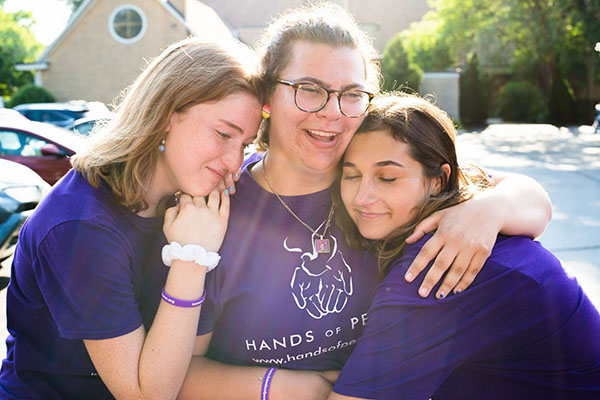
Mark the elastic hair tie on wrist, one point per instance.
(182, 303)
(266, 384)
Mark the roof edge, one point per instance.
(173, 11)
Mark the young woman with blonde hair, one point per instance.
(73, 304)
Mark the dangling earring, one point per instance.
(266, 111)
(162, 146)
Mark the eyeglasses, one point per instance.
(310, 97)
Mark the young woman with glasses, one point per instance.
(289, 292)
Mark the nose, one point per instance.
(331, 110)
(365, 195)
(233, 158)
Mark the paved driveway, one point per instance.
(567, 163)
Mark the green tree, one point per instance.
(547, 42)
(426, 47)
(473, 103)
(397, 70)
(18, 46)
(74, 4)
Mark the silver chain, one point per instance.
(329, 217)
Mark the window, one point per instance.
(21, 144)
(127, 23)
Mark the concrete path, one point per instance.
(565, 161)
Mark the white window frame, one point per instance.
(111, 27)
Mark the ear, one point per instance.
(437, 182)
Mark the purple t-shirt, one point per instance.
(76, 275)
(273, 300)
(523, 330)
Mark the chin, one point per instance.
(199, 191)
(371, 234)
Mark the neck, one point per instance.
(289, 179)
(156, 195)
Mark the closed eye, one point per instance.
(350, 177)
(387, 180)
(224, 135)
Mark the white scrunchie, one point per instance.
(190, 252)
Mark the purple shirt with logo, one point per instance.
(273, 299)
(523, 330)
(76, 274)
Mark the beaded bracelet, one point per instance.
(266, 384)
(182, 303)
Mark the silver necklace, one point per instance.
(322, 243)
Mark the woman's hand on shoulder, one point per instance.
(198, 220)
(465, 236)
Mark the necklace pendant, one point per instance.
(322, 245)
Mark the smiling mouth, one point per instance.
(217, 173)
(369, 215)
(321, 136)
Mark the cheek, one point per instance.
(346, 194)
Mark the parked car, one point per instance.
(62, 115)
(21, 189)
(84, 126)
(7, 114)
(42, 147)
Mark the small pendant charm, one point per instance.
(322, 245)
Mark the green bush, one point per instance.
(396, 68)
(521, 101)
(30, 94)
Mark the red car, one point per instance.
(44, 148)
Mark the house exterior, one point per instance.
(382, 19)
(107, 43)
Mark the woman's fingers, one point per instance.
(224, 208)
(442, 262)
(213, 200)
(472, 271)
(229, 183)
(455, 273)
(429, 224)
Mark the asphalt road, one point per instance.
(565, 161)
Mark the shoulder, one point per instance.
(74, 206)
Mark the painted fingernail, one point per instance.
(231, 188)
(441, 295)
(236, 175)
(457, 291)
(408, 276)
(227, 192)
(423, 292)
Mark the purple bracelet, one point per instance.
(182, 303)
(264, 392)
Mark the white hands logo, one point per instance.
(322, 283)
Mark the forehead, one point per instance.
(332, 65)
(372, 147)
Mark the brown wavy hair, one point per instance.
(124, 153)
(430, 134)
(320, 22)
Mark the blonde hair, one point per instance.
(324, 23)
(124, 153)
